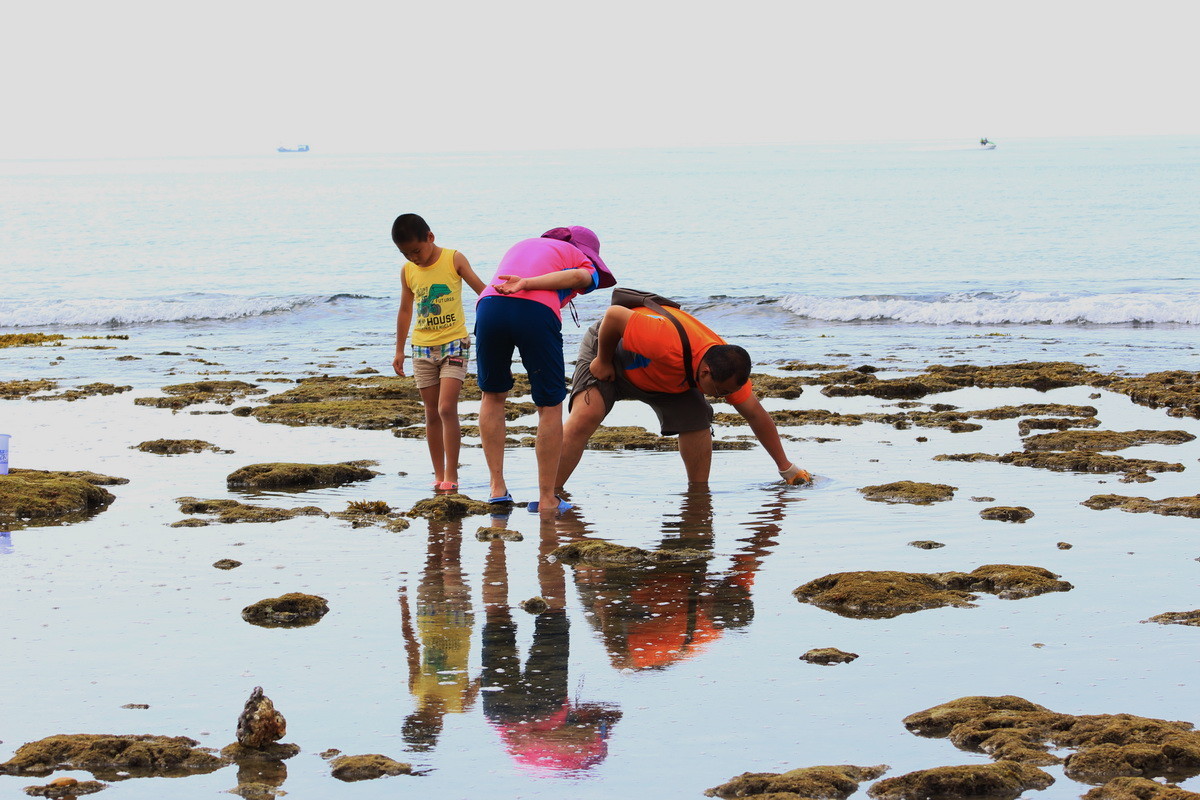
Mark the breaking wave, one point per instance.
(149, 310)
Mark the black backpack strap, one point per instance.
(688, 371)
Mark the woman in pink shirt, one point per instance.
(521, 309)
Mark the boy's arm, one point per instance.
(463, 268)
(612, 328)
(403, 320)
(768, 435)
(578, 278)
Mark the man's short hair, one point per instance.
(727, 362)
(409, 228)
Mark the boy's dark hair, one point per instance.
(409, 228)
(727, 361)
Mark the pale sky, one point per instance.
(131, 77)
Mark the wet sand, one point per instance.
(122, 608)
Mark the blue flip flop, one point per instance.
(563, 505)
(504, 498)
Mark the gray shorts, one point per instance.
(680, 412)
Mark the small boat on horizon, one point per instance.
(301, 148)
(986, 144)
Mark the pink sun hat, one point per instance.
(587, 242)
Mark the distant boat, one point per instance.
(301, 148)
(984, 144)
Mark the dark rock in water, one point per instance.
(365, 513)
(926, 544)
(177, 446)
(494, 533)
(1103, 440)
(1176, 618)
(983, 499)
(65, 788)
(1004, 780)
(827, 656)
(260, 723)
(1188, 506)
(292, 610)
(41, 497)
(1139, 789)
(886, 594)
(136, 705)
(1106, 746)
(227, 563)
(1027, 426)
(231, 511)
(535, 605)
(1064, 545)
(87, 390)
(597, 552)
(831, 782)
(1071, 461)
(448, 507)
(269, 753)
(293, 476)
(367, 767)
(909, 492)
(1007, 513)
(114, 757)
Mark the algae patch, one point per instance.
(231, 511)
(367, 767)
(1005, 780)
(112, 757)
(291, 610)
(833, 782)
(909, 492)
(1007, 513)
(597, 552)
(41, 497)
(168, 447)
(1187, 506)
(282, 475)
(886, 594)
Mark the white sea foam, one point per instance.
(134, 311)
(988, 308)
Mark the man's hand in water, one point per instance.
(793, 475)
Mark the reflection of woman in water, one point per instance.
(440, 646)
(540, 725)
(652, 617)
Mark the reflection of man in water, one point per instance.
(540, 725)
(439, 648)
(652, 617)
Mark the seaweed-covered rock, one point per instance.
(1177, 618)
(1139, 789)
(450, 507)
(886, 594)
(282, 475)
(11, 390)
(260, 723)
(87, 390)
(1007, 513)
(46, 497)
(535, 605)
(1004, 780)
(65, 788)
(599, 553)
(364, 513)
(113, 757)
(909, 492)
(1069, 461)
(291, 610)
(926, 544)
(367, 767)
(827, 656)
(231, 511)
(1188, 506)
(227, 563)
(490, 534)
(166, 447)
(1027, 426)
(829, 782)
(27, 339)
(366, 402)
(1103, 440)
(1176, 390)
(181, 395)
(1106, 745)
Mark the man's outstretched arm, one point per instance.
(768, 435)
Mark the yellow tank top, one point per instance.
(437, 301)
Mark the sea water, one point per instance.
(1090, 244)
(898, 255)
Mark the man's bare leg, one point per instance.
(696, 449)
(548, 448)
(587, 412)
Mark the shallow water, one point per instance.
(670, 684)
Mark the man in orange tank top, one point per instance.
(637, 354)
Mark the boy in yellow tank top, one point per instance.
(431, 280)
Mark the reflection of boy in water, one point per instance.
(540, 725)
(652, 617)
(438, 663)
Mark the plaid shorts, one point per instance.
(449, 360)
